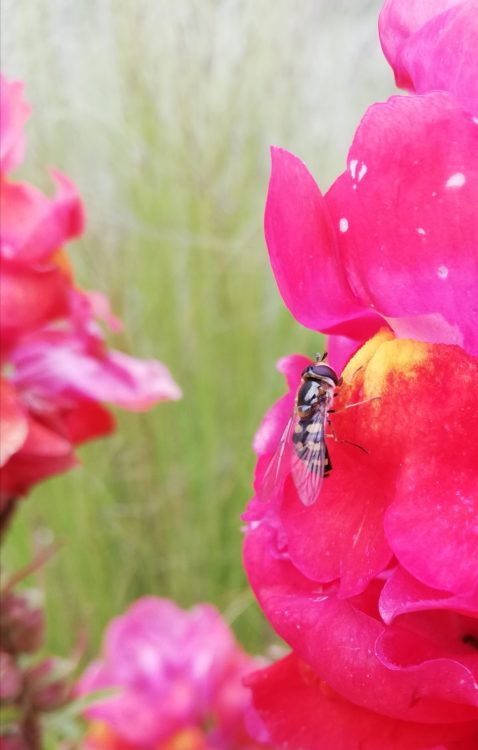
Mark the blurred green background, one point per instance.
(162, 112)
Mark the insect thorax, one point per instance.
(314, 394)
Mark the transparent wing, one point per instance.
(310, 461)
(281, 461)
(301, 452)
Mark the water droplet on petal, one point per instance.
(442, 272)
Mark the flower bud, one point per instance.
(10, 678)
(21, 622)
(48, 685)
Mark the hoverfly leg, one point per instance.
(356, 403)
(345, 442)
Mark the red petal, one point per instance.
(43, 454)
(301, 712)
(402, 593)
(87, 420)
(337, 640)
(443, 522)
(13, 422)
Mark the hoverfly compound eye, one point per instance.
(320, 371)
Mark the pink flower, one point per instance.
(58, 371)
(431, 44)
(178, 674)
(374, 582)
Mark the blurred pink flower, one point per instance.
(15, 112)
(179, 676)
(431, 45)
(56, 368)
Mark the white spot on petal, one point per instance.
(343, 224)
(362, 172)
(353, 167)
(442, 272)
(421, 231)
(457, 180)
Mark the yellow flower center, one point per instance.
(382, 357)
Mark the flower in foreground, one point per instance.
(376, 593)
(375, 585)
(176, 677)
(57, 370)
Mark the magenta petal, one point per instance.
(140, 383)
(433, 45)
(14, 111)
(402, 593)
(399, 20)
(444, 55)
(34, 226)
(338, 641)
(409, 198)
(303, 252)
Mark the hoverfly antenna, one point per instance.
(320, 357)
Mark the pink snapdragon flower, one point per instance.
(375, 584)
(57, 370)
(178, 676)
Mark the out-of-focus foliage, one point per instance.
(162, 113)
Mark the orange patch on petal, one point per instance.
(188, 739)
(101, 737)
(61, 259)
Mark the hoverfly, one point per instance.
(302, 449)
